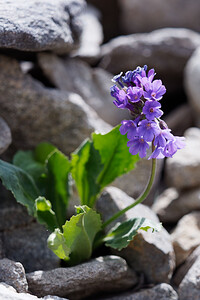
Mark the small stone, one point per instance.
(186, 236)
(149, 253)
(13, 274)
(190, 285)
(103, 274)
(5, 137)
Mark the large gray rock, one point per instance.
(167, 50)
(54, 26)
(5, 137)
(13, 274)
(28, 245)
(191, 81)
(190, 285)
(109, 273)
(139, 16)
(93, 85)
(149, 253)
(183, 170)
(36, 113)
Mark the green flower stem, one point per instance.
(141, 198)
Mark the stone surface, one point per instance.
(186, 236)
(161, 291)
(183, 170)
(190, 286)
(171, 13)
(191, 83)
(5, 137)
(93, 85)
(171, 205)
(149, 253)
(28, 245)
(36, 113)
(167, 50)
(55, 26)
(13, 274)
(108, 273)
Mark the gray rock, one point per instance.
(191, 82)
(13, 274)
(167, 50)
(28, 245)
(149, 253)
(109, 273)
(5, 137)
(55, 26)
(186, 236)
(183, 170)
(171, 205)
(93, 85)
(35, 113)
(161, 291)
(190, 285)
(2, 253)
(138, 16)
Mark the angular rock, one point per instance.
(55, 26)
(191, 83)
(171, 205)
(190, 285)
(93, 85)
(186, 236)
(149, 253)
(12, 273)
(35, 113)
(109, 273)
(167, 50)
(183, 170)
(161, 291)
(5, 137)
(28, 245)
(175, 13)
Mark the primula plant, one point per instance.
(41, 179)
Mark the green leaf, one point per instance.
(42, 151)
(123, 233)
(75, 244)
(45, 214)
(21, 184)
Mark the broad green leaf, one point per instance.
(20, 183)
(115, 155)
(42, 151)
(123, 233)
(78, 233)
(45, 214)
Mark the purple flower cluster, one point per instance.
(138, 92)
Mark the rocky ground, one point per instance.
(56, 62)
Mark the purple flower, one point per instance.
(120, 96)
(157, 153)
(138, 145)
(173, 145)
(148, 130)
(162, 137)
(127, 78)
(151, 110)
(117, 78)
(154, 91)
(129, 127)
(134, 93)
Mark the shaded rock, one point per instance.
(167, 50)
(93, 85)
(183, 170)
(13, 274)
(191, 83)
(190, 285)
(171, 205)
(176, 13)
(5, 137)
(161, 291)
(55, 26)
(107, 273)
(186, 236)
(2, 254)
(149, 253)
(28, 245)
(183, 269)
(35, 113)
